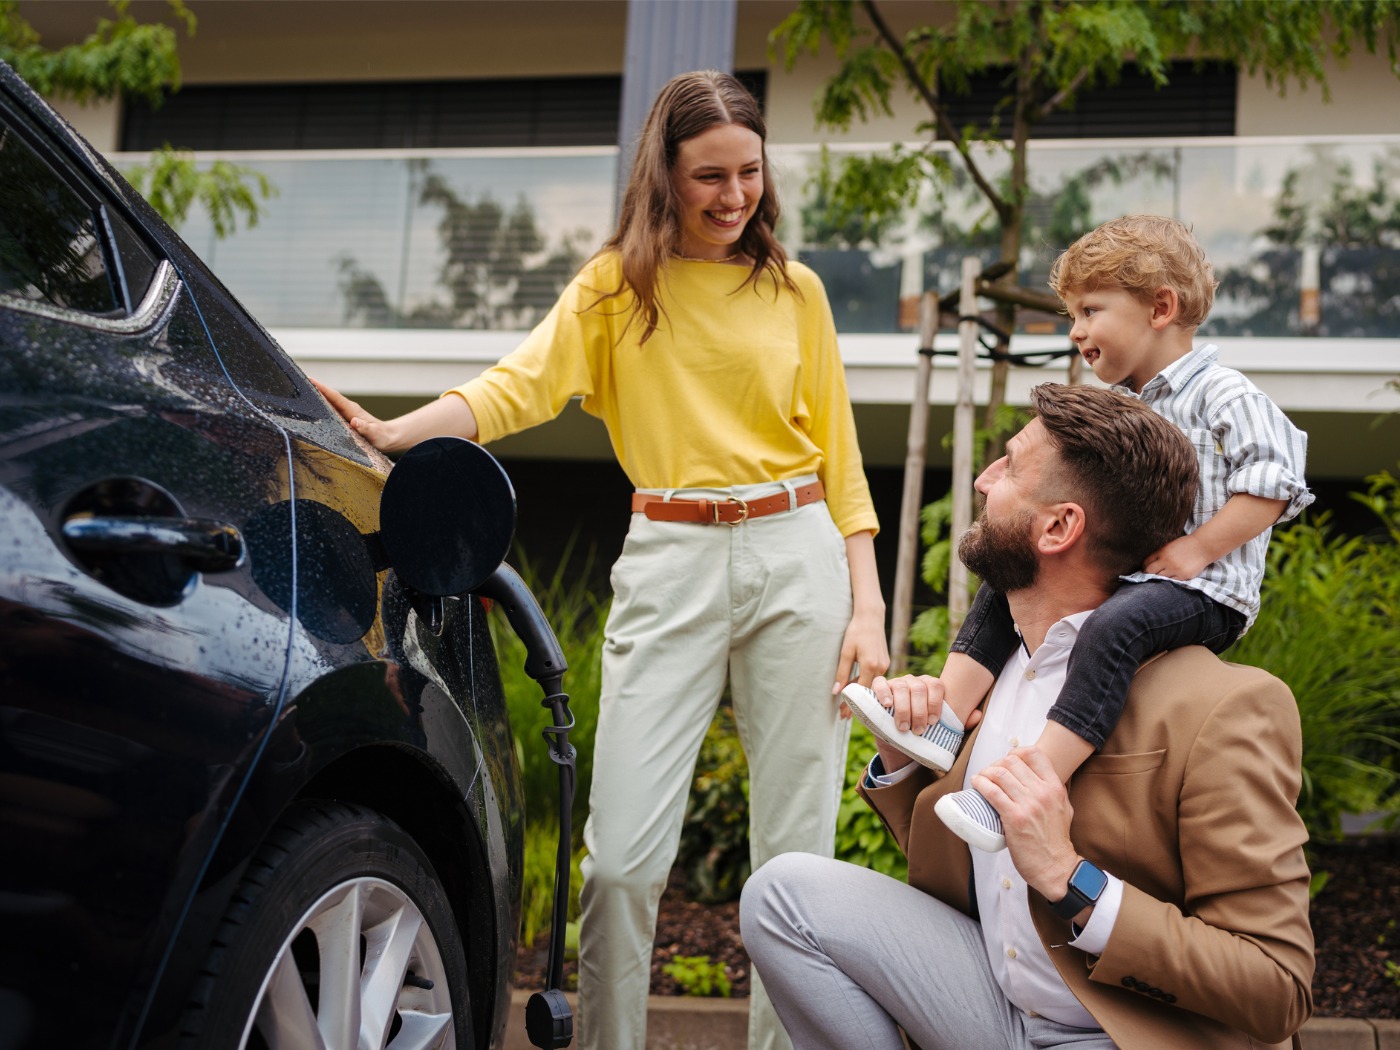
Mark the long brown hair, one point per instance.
(648, 228)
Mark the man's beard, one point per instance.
(1001, 552)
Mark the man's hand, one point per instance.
(1035, 816)
(915, 701)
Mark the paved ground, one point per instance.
(677, 1023)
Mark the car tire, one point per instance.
(339, 935)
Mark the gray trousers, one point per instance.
(764, 604)
(850, 956)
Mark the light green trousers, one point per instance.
(766, 603)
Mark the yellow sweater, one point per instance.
(737, 385)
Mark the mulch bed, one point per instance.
(1356, 921)
(682, 928)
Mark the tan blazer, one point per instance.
(1191, 803)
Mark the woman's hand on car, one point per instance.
(372, 429)
(448, 416)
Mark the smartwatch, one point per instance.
(1086, 885)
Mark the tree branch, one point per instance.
(1015, 294)
(945, 126)
(1057, 99)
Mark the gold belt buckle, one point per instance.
(743, 512)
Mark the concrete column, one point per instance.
(666, 37)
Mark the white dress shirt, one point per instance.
(1015, 715)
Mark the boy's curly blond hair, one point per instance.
(1140, 253)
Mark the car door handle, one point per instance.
(200, 543)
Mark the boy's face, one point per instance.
(1114, 332)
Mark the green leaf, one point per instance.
(121, 56)
(174, 183)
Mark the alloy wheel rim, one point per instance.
(360, 969)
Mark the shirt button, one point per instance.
(1030, 675)
(1011, 953)
(1006, 884)
(1015, 741)
(1034, 1013)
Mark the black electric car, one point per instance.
(255, 790)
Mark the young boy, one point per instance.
(1135, 290)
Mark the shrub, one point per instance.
(1327, 628)
(697, 975)
(577, 617)
(714, 848)
(860, 837)
(541, 842)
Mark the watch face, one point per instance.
(1088, 880)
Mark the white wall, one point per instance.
(295, 40)
(1365, 99)
(98, 122)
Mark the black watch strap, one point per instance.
(1086, 886)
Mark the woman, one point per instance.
(712, 360)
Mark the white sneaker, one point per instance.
(936, 747)
(973, 819)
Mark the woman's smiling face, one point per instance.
(718, 178)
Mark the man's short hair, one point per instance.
(1140, 253)
(1135, 473)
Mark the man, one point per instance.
(1160, 902)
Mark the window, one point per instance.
(50, 248)
(521, 112)
(137, 263)
(1196, 101)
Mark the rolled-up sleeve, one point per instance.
(1266, 452)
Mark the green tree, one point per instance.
(122, 56)
(1048, 51)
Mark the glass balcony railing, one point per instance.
(1304, 234)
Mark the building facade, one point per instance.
(442, 167)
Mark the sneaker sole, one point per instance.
(969, 831)
(873, 715)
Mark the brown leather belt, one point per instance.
(723, 511)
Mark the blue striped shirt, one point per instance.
(1245, 444)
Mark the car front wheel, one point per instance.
(339, 937)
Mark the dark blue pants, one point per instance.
(1137, 620)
